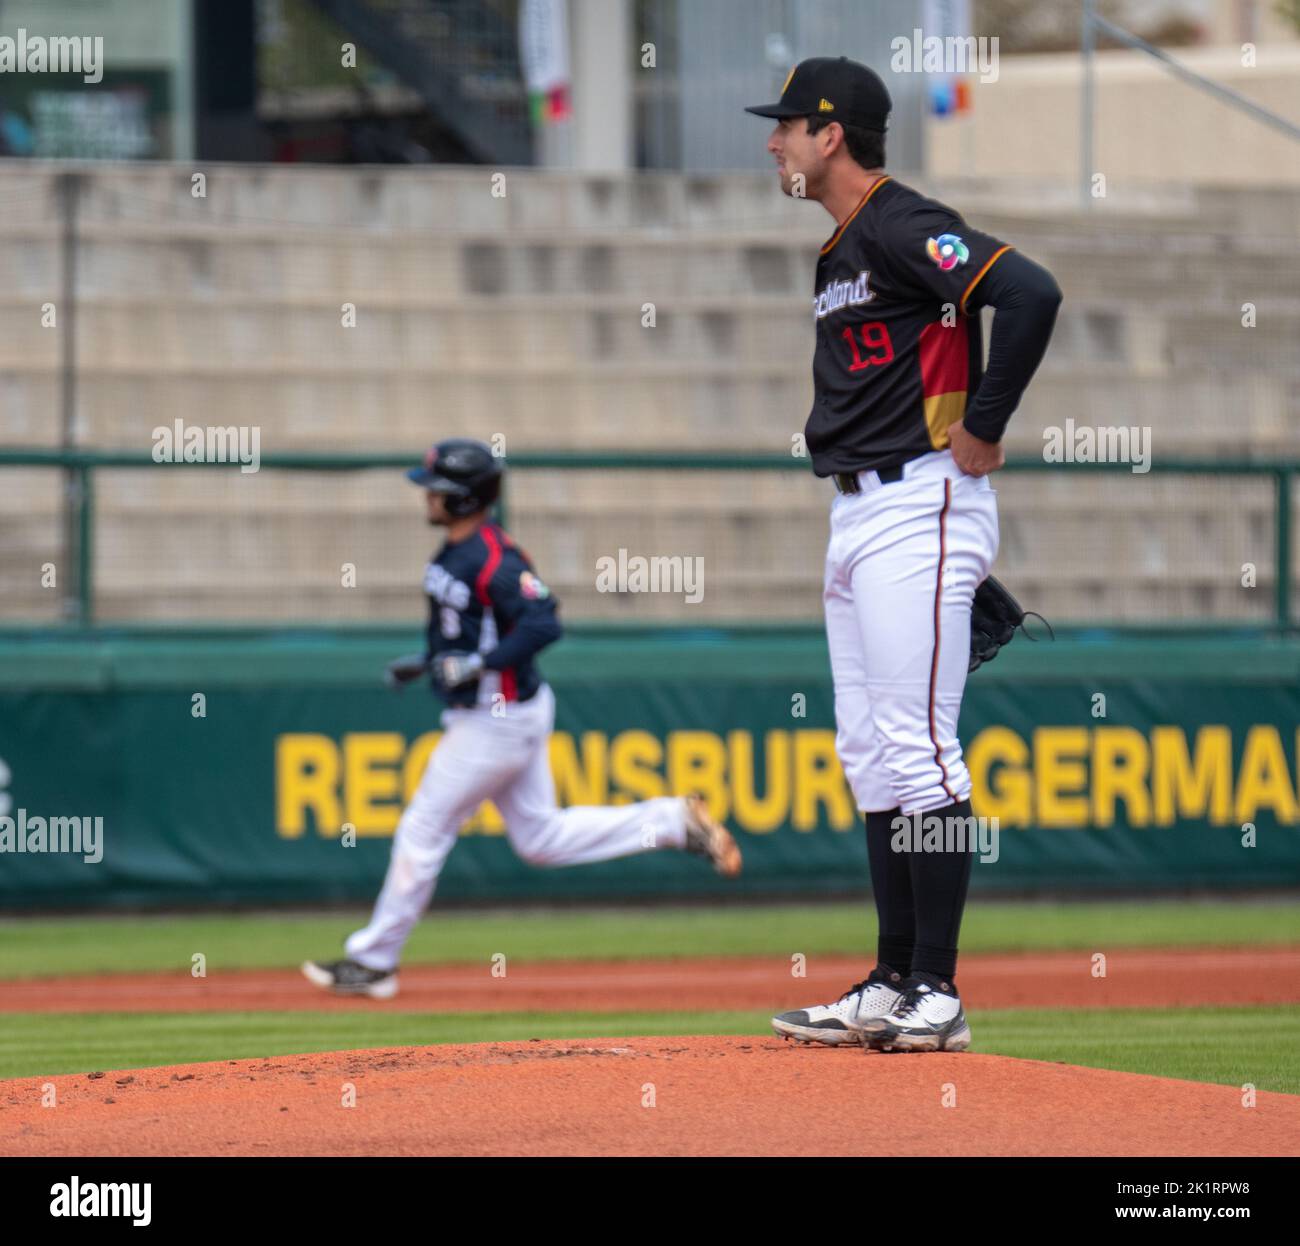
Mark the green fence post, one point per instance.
(82, 527)
(85, 544)
(1283, 552)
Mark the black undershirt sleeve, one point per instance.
(1025, 297)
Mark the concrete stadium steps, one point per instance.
(411, 270)
(700, 407)
(31, 517)
(1189, 414)
(687, 406)
(1080, 600)
(443, 199)
(542, 336)
(209, 261)
(309, 605)
(274, 371)
(29, 263)
(1153, 268)
(30, 412)
(456, 200)
(521, 315)
(273, 545)
(23, 339)
(1115, 547)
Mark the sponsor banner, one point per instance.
(122, 790)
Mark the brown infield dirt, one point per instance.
(639, 1096)
(1133, 979)
(654, 1096)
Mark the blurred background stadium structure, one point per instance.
(521, 307)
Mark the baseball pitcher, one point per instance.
(907, 422)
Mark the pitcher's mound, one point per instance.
(638, 1096)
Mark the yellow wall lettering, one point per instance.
(371, 776)
(632, 760)
(584, 782)
(1196, 786)
(1001, 784)
(1060, 776)
(818, 779)
(1066, 776)
(1263, 781)
(697, 762)
(306, 777)
(1121, 759)
(760, 814)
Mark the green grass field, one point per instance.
(1230, 1045)
(40, 946)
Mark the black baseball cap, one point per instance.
(834, 87)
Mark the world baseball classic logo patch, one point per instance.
(532, 588)
(948, 251)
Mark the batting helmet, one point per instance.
(466, 471)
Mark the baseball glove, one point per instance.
(995, 616)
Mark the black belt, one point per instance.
(847, 482)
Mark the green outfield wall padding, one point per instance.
(271, 767)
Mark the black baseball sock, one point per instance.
(891, 884)
(939, 884)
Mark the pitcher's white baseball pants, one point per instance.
(902, 566)
(506, 760)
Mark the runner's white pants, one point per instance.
(506, 760)
(902, 566)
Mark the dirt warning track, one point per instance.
(1136, 978)
(637, 1096)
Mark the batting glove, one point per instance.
(456, 668)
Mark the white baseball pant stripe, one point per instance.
(506, 760)
(902, 565)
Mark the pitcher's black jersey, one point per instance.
(484, 597)
(898, 355)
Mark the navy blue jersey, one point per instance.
(485, 598)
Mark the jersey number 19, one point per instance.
(875, 337)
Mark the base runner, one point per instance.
(489, 616)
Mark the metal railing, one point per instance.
(1092, 24)
(81, 467)
(461, 56)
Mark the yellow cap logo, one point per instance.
(825, 106)
(787, 80)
